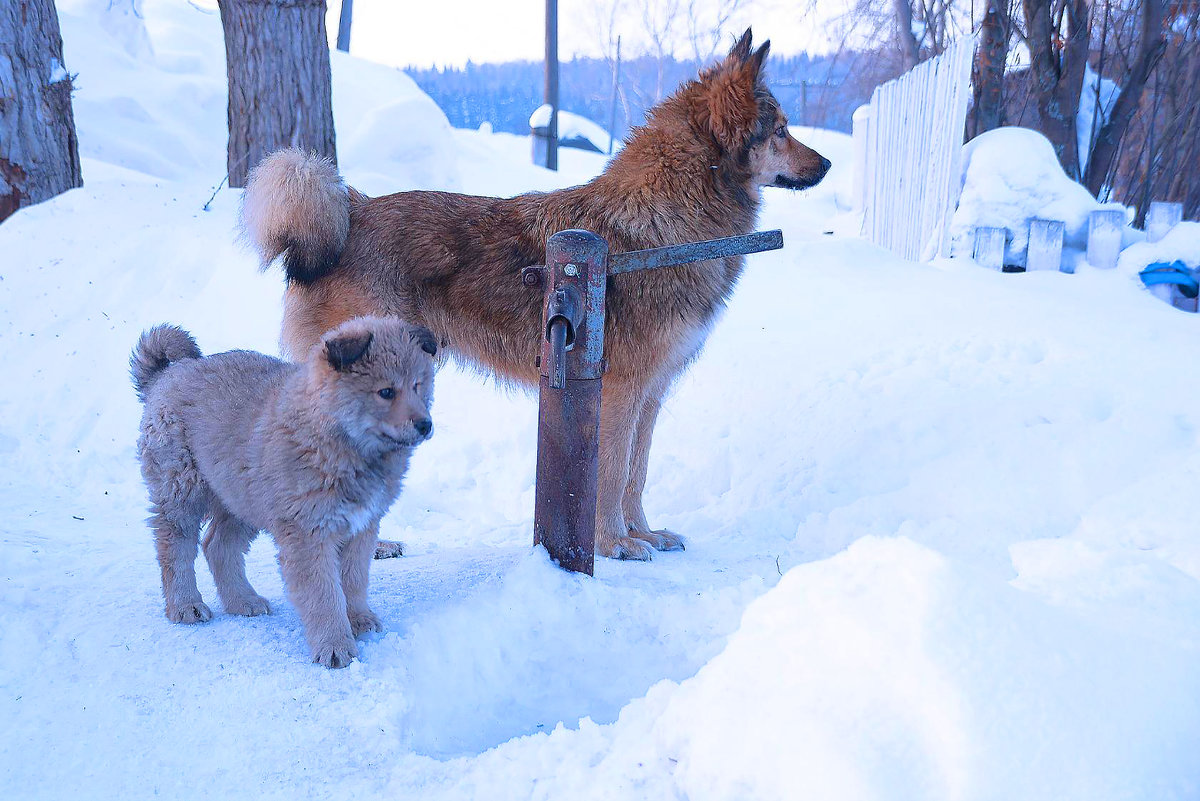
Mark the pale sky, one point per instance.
(448, 33)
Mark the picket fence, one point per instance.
(908, 147)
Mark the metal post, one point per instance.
(552, 83)
(574, 280)
(572, 362)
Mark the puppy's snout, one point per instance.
(423, 425)
(825, 165)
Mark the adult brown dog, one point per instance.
(452, 262)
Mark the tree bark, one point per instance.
(1151, 46)
(277, 58)
(1058, 80)
(906, 41)
(988, 83)
(39, 150)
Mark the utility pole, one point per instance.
(344, 19)
(612, 116)
(552, 83)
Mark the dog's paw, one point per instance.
(625, 548)
(364, 621)
(193, 612)
(661, 540)
(335, 654)
(249, 606)
(388, 549)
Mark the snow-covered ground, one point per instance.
(942, 521)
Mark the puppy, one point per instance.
(313, 453)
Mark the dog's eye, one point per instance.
(781, 132)
(417, 386)
(387, 393)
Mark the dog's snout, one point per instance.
(825, 164)
(424, 425)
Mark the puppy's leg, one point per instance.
(309, 563)
(225, 547)
(356, 566)
(618, 409)
(631, 503)
(179, 502)
(176, 537)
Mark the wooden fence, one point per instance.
(908, 148)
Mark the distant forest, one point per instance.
(821, 91)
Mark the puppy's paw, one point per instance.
(364, 621)
(192, 612)
(249, 606)
(625, 548)
(335, 654)
(388, 549)
(661, 540)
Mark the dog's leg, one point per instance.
(179, 502)
(309, 563)
(225, 548)
(618, 411)
(176, 537)
(631, 503)
(356, 567)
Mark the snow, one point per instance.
(941, 520)
(572, 126)
(1011, 176)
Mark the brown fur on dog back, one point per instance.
(296, 205)
(156, 350)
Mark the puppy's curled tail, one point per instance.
(157, 349)
(297, 206)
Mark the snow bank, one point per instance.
(1011, 176)
(573, 126)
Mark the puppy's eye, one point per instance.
(387, 393)
(781, 132)
(417, 386)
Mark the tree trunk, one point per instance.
(277, 57)
(1151, 46)
(988, 82)
(39, 151)
(345, 17)
(1058, 80)
(906, 40)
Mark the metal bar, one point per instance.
(672, 255)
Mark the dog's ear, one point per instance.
(346, 350)
(729, 108)
(741, 50)
(755, 64)
(424, 339)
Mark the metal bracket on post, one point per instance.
(564, 518)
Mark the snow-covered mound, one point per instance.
(574, 130)
(941, 521)
(1011, 176)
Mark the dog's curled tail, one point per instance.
(297, 206)
(158, 348)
